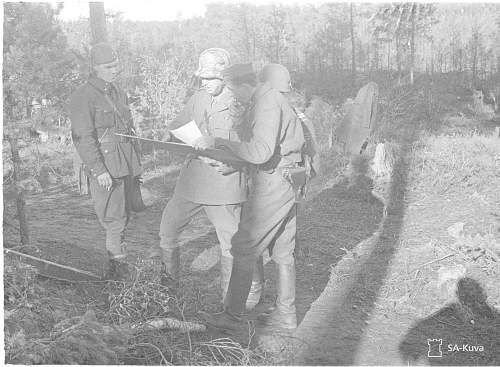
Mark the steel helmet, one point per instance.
(212, 62)
(277, 75)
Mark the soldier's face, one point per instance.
(107, 72)
(213, 86)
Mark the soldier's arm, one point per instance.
(265, 132)
(84, 134)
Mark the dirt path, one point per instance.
(389, 296)
(336, 217)
(331, 332)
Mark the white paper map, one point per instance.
(187, 133)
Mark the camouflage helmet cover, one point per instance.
(277, 75)
(212, 62)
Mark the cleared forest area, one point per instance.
(431, 215)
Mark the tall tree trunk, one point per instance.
(97, 22)
(398, 57)
(412, 57)
(368, 59)
(475, 38)
(28, 109)
(353, 48)
(20, 202)
(389, 56)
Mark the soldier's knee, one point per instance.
(283, 258)
(246, 256)
(169, 242)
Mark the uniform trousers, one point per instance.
(268, 220)
(113, 214)
(178, 214)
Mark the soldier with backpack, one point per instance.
(274, 147)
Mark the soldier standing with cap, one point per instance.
(98, 109)
(273, 146)
(207, 184)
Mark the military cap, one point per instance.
(277, 75)
(102, 53)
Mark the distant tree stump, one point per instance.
(384, 160)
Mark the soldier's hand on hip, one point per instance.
(105, 180)
(223, 168)
(209, 161)
(204, 142)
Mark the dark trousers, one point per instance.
(112, 213)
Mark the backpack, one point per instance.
(310, 157)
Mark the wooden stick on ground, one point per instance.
(170, 323)
(51, 263)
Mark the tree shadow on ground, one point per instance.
(346, 321)
(470, 324)
(329, 227)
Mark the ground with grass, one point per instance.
(430, 271)
(380, 261)
(64, 229)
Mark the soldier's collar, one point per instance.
(101, 85)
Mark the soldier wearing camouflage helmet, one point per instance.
(207, 184)
(268, 219)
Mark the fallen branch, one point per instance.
(433, 261)
(46, 263)
(170, 323)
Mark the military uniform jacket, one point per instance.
(275, 137)
(93, 124)
(199, 182)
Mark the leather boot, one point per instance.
(118, 269)
(170, 258)
(239, 286)
(225, 321)
(257, 287)
(284, 316)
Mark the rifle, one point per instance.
(185, 149)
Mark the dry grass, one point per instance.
(139, 299)
(467, 163)
(64, 325)
(457, 177)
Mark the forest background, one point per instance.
(429, 61)
(331, 50)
